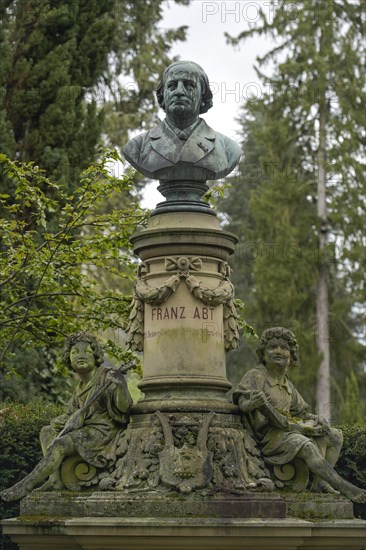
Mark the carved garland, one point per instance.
(222, 294)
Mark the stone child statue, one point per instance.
(280, 419)
(89, 431)
(183, 146)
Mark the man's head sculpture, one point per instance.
(193, 69)
(183, 152)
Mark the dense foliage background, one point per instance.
(50, 284)
(74, 76)
(77, 74)
(297, 201)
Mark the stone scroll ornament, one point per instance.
(223, 295)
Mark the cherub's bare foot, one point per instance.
(18, 491)
(51, 485)
(360, 498)
(355, 494)
(322, 486)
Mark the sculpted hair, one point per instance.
(194, 68)
(278, 332)
(82, 337)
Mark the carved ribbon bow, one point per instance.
(183, 264)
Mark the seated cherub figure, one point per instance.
(95, 415)
(280, 420)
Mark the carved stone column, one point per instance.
(184, 315)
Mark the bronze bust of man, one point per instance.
(183, 146)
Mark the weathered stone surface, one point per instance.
(79, 445)
(159, 450)
(152, 504)
(184, 317)
(185, 533)
(316, 506)
(307, 506)
(185, 233)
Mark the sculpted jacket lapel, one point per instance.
(165, 142)
(199, 144)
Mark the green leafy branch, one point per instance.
(52, 250)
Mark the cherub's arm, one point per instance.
(300, 409)
(59, 422)
(250, 400)
(119, 392)
(253, 399)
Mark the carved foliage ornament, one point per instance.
(223, 294)
(187, 453)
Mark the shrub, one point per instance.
(352, 462)
(20, 449)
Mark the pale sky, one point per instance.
(230, 70)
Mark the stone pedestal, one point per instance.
(182, 533)
(184, 295)
(148, 504)
(151, 520)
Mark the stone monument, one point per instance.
(186, 466)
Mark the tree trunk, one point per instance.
(322, 308)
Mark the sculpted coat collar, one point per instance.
(200, 143)
(272, 382)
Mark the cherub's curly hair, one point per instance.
(82, 337)
(195, 68)
(279, 332)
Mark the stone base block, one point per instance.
(170, 520)
(315, 506)
(172, 505)
(193, 534)
(306, 505)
